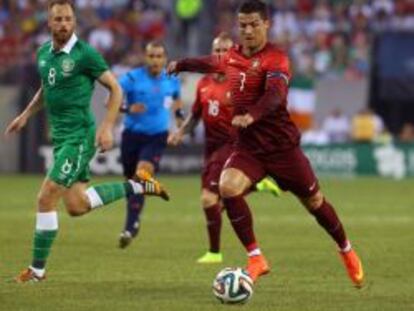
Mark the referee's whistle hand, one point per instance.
(175, 139)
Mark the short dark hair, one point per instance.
(254, 6)
(52, 3)
(156, 44)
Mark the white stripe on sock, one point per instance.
(94, 198)
(136, 187)
(254, 252)
(347, 248)
(47, 221)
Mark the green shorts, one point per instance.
(71, 160)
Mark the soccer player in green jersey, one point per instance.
(68, 68)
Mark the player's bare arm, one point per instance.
(172, 68)
(35, 105)
(187, 127)
(177, 108)
(104, 137)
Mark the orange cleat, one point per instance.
(150, 185)
(257, 266)
(353, 266)
(28, 275)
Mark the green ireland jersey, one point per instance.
(68, 78)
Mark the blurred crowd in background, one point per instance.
(326, 39)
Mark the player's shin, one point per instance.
(213, 218)
(45, 233)
(242, 222)
(326, 216)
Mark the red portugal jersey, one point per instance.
(259, 86)
(214, 107)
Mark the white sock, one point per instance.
(47, 221)
(39, 272)
(255, 252)
(347, 248)
(94, 198)
(136, 187)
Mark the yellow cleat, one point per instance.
(150, 185)
(267, 185)
(210, 257)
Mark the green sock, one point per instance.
(103, 194)
(43, 240)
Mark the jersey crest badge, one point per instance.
(67, 65)
(42, 63)
(255, 63)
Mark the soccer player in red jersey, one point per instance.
(267, 140)
(213, 106)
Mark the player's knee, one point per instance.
(42, 200)
(46, 198)
(314, 202)
(208, 199)
(75, 207)
(229, 189)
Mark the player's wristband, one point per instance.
(179, 113)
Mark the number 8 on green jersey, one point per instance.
(68, 77)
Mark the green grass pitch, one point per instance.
(87, 271)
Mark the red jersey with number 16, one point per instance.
(214, 107)
(259, 86)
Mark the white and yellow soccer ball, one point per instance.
(233, 285)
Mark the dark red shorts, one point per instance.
(290, 169)
(213, 165)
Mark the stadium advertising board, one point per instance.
(396, 161)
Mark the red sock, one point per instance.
(328, 219)
(241, 219)
(213, 217)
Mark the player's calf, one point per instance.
(104, 194)
(75, 200)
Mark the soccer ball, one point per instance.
(233, 285)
